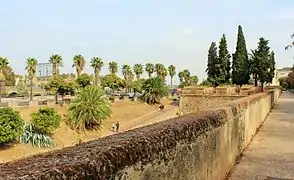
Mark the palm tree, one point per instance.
(186, 75)
(181, 76)
(154, 89)
(89, 109)
(128, 76)
(138, 70)
(113, 67)
(172, 73)
(127, 72)
(3, 64)
(164, 73)
(56, 61)
(97, 64)
(193, 80)
(150, 69)
(31, 66)
(160, 70)
(291, 44)
(79, 64)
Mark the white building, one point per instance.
(280, 73)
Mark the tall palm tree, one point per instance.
(172, 73)
(160, 70)
(79, 63)
(128, 76)
(31, 65)
(113, 67)
(138, 70)
(96, 64)
(89, 109)
(3, 64)
(127, 72)
(56, 61)
(150, 69)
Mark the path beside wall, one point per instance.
(271, 153)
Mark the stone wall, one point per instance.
(193, 103)
(195, 99)
(203, 145)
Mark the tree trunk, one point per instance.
(171, 81)
(31, 90)
(262, 83)
(255, 80)
(56, 96)
(62, 100)
(97, 79)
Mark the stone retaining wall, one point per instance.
(203, 145)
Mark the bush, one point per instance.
(33, 137)
(11, 125)
(84, 80)
(46, 120)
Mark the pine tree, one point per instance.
(241, 64)
(263, 62)
(212, 65)
(224, 61)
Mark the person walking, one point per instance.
(117, 126)
(113, 126)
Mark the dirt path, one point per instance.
(169, 111)
(271, 152)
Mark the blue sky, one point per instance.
(129, 31)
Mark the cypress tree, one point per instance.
(212, 65)
(224, 61)
(241, 64)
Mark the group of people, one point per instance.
(115, 126)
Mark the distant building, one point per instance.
(280, 73)
(44, 70)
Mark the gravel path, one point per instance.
(271, 152)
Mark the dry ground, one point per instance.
(130, 114)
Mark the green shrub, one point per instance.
(46, 120)
(33, 137)
(11, 125)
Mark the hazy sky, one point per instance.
(130, 31)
